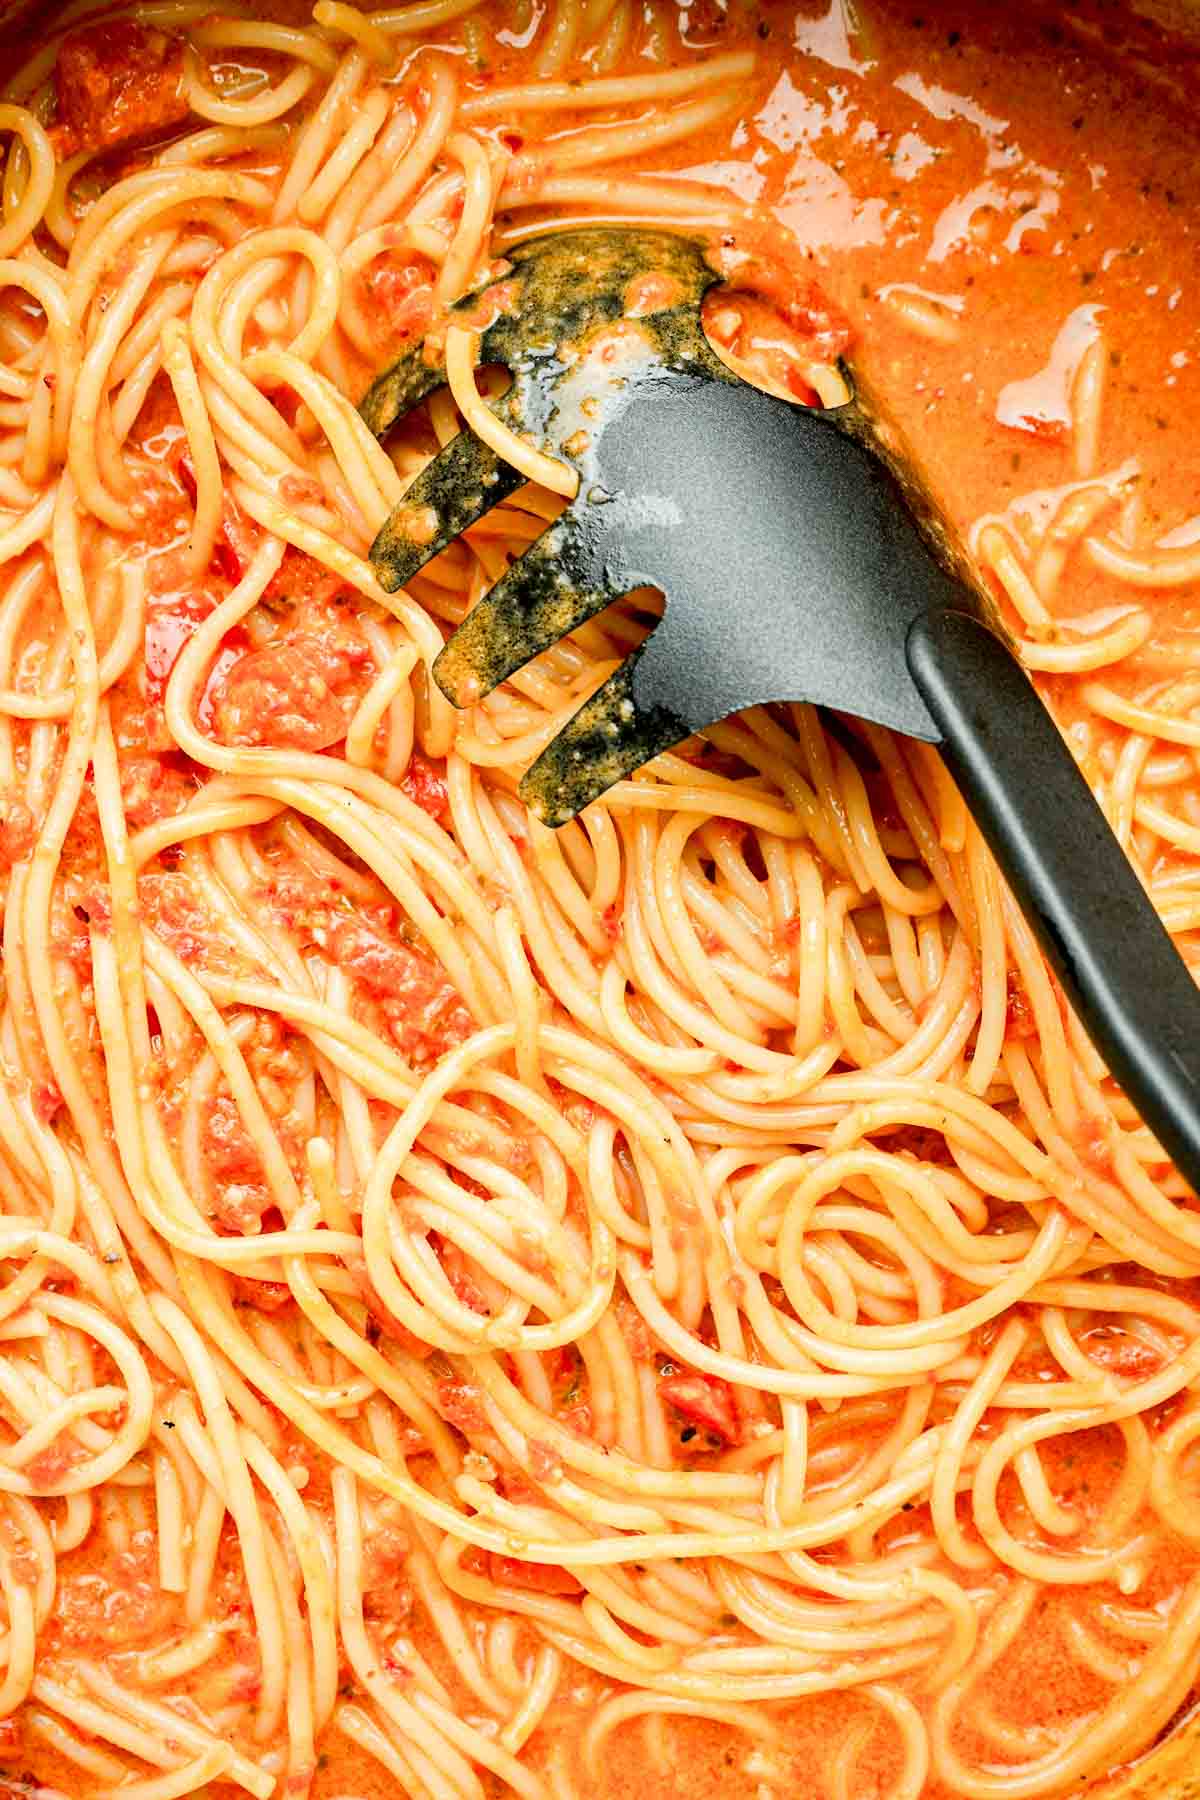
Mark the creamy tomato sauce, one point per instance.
(1016, 177)
(1009, 169)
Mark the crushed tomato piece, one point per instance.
(397, 291)
(376, 948)
(174, 910)
(1120, 1351)
(423, 1010)
(461, 1405)
(228, 1150)
(299, 690)
(167, 630)
(116, 82)
(703, 1400)
(424, 782)
(153, 788)
(300, 577)
(466, 1288)
(386, 1581)
(47, 1101)
(267, 1296)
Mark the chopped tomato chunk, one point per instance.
(168, 629)
(518, 1488)
(298, 692)
(398, 291)
(238, 1210)
(267, 1296)
(245, 1681)
(539, 1578)
(385, 1551)
(376, 947)
(112, 1603)
(170, 624)
(386, 1584)
(278, 697)
(116, 82)
(458, 1274)
(240, 1195)
(172, 907)
(1119, 1350)
(47, 1101)
(424, 1012)
(301, 578)
(461, 1405)
(228, 1149)
(48, 1467)
(153, 787)
(703, 1400)
(425, 784)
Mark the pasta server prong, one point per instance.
(577, 319)
(561, 580)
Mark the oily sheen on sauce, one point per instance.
(670, 1307)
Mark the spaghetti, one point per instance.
(485, 1309)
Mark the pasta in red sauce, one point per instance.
(672, 1306)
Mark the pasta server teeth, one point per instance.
(613, 375)
(802, 557)
(581, 320)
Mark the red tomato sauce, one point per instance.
(878, 149)
(991, 158)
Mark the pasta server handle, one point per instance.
(1067, 871)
